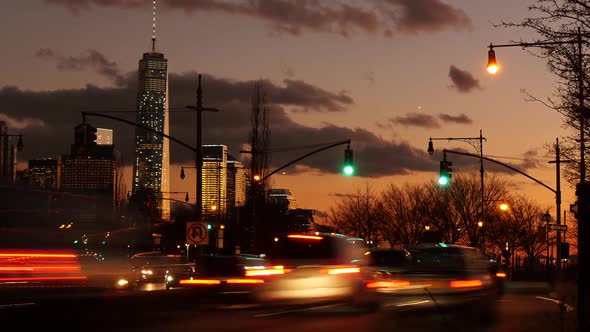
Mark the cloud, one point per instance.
(89, 59)
(60, 110)
(295, 17)
(460, 119)
(22, 123)
(463, 80)
(414, 16)
(416, 120)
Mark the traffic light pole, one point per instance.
(305, 156)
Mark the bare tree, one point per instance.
(405, 213)
(359, 215)
(553, 20)
(533, 237)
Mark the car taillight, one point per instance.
(466, 283)
(244, 281)
(500, 274)
(305, 237)
(342, 270)
(200, 282)
(387, 284)
(265, 271)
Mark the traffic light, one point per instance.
(348, 168)
(446, 172)
(90, 135)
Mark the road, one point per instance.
(187, 311)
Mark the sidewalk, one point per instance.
(524, 287)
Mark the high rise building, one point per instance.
(8, 154)
(283, 198)
(90, 176)
(236, 184)
(104, 136)
(90, 168)
(45, 173)
(152, 156)
(214, 179)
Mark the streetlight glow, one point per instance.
(492, 67)
(256, 177)
(480, 224)
(504, 207)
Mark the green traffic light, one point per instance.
(208, 226)
(348, 170)
(443, 180)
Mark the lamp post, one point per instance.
(479, 148)
(199, 109)
(583, 217)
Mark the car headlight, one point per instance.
(169, 278)
(148, 272)
(122, 282)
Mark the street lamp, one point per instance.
(504, 207)
(427, 227)
(582, 215)
(492, 64)
(479, 148)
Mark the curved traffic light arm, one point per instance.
(84, 114)
(305, 156)
(502, 164)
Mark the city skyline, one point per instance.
(388, 93)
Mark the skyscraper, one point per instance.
(283, 198)
(236, 184)
(90, 175)
(90, 168)
(152, 157)
(104, 136)
(45, 173)
(8, 153)
(214, 179)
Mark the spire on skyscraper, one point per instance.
(154, 29)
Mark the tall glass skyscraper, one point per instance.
(152, 153)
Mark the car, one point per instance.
(222, 274)
(438, 276)
(316, 268)
(153, 270)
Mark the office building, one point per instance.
(45, 173)
(8, 154)
(214, 179)
(90, 168)
(152, 163)
(236, 184)
(104, 136)
(283, 198)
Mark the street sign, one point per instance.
(559, 228)
(197, 234)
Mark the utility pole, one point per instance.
(557, 163)
(199, 149)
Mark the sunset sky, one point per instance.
(387, 74)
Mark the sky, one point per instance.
(387, 74)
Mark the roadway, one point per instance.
(190, 311)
